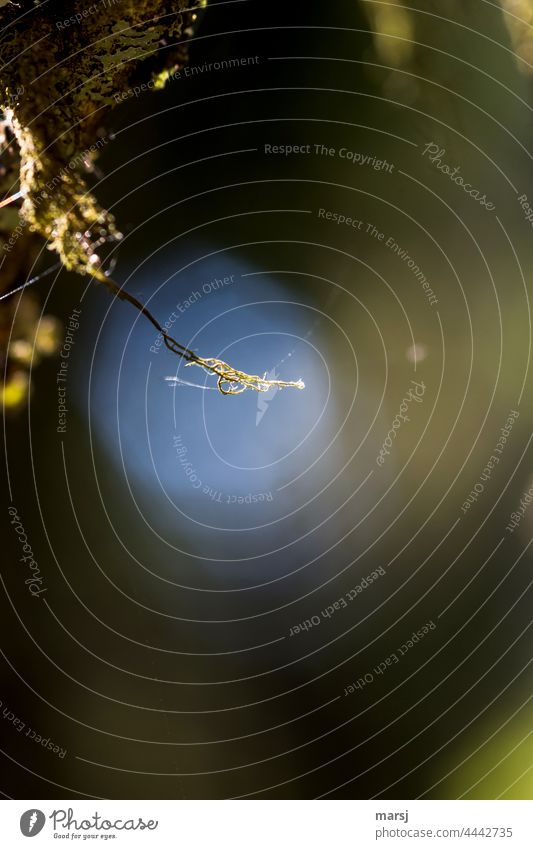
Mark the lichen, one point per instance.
(61, 67)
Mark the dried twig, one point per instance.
(230, 381)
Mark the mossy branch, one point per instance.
(54, 106)
(230, 381)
